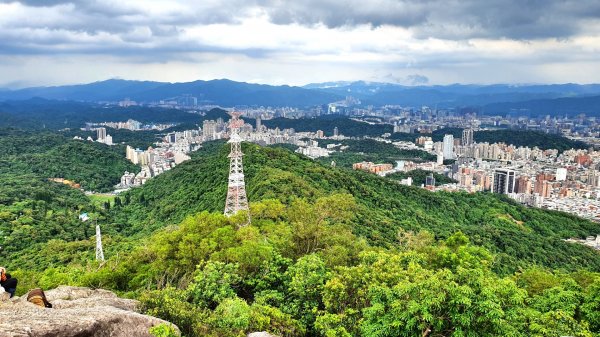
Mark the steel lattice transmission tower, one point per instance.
(99, 251)
(236, 188)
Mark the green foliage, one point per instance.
(519, 236)
(94, 166)
(163, 330)
(591, 305)
(214, 283)
(232, 314)
(39, 113)
(329, 252)
(371, 150)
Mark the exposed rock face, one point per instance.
(76, 312)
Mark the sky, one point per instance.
(425, 42)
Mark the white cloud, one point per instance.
(275, 41)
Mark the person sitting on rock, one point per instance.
(7, 282)
(37, 297)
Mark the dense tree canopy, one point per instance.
(329, 251)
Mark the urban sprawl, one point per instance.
(567, 181)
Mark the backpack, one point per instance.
(37, 297)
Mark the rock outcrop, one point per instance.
(76, 312)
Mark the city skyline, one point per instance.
(274, 42)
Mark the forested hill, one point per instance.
(37, 113)
(329, 252)
(520, 236)
(95, 166)
(35, 210)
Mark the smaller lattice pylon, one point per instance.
(99, 251)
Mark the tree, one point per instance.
(214, 283)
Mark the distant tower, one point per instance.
(336, 132)
(236, 189)
(467, 137)
(448, 147)
(101, 134)
(258, 124)
(99, 251)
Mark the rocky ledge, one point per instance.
(76, 312)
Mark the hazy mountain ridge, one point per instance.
(231, 93)
(222, 92)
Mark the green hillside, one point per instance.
(329, 252)
(35, 210)
(95, 166)
(519, 236)
(370, 150)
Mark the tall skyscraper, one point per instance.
(236, 189)
(467, 137)
(448, 147)
(101, 133)
(504, 181)
(209, 128)
(258, 124)
(336, 132)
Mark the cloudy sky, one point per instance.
(298, 42)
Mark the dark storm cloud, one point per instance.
(446, 19)
(512, 19)
(348, 13)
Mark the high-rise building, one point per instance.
(430, 180)
(448, 147)
(561, 174)
(524, 185)
(467, 137)
(542, 188)
(171, 137)
(504, 181)
(101, 133)
(440, 158)
(335, 132)
(258, 124)
(209, 128)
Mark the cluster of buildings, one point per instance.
(368, 166)
(175, 147)
(130, 124)
(568, 181)
(103, 137)
(171, 151)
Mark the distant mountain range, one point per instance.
(500, 98)
(221, 92)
